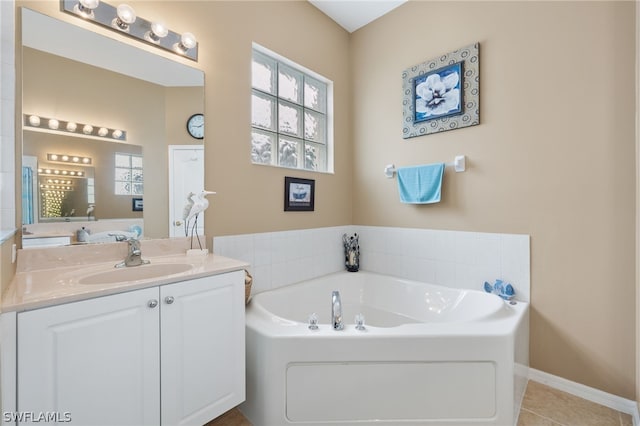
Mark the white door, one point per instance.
(186, 174)
(202, 351)
(93, 362)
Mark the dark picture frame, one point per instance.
(136, 204)
(438, 93)
(299, 194)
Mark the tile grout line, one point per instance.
(543, 417)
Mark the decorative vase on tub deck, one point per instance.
(351, 252)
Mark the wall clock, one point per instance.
(195, 126)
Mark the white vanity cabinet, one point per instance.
(170, 354)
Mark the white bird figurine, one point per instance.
(186, 210)
(200, 204)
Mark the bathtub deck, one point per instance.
(542, 406)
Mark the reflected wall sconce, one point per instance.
(52, 125)
(123, 19)
(73, 159)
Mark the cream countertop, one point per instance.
(47, 277)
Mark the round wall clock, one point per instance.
(195, 126)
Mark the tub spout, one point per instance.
(336, 311)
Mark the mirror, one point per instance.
(73, 74)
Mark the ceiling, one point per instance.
(354, 14)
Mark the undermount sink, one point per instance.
(134, 273)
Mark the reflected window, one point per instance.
(129, 178)
(290, 114)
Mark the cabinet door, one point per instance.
(202, 335)
(95, 361)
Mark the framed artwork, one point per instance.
(136, 204)
(442, 94)
(299, 194)
(437, 94)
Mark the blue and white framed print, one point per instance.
(442, 94)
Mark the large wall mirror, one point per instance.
(73, 74)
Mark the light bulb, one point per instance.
(86, 160)
(71, 126)
(53, 157)
(54, 124)
(125, 17)
(187, 41)
(34, 120)
(102, 131)
(85, 8)
(158, 31)
(76, 159)
(65, 158)
(117, 134)
(87, 129)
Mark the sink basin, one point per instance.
(134, 273)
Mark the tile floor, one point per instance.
(542, 406)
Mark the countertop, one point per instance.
(47, 277)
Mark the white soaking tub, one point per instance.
(428, 355)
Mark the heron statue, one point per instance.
(200, 204)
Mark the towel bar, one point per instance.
(459, 164)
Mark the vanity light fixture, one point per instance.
(123, 19)
(34, 122)
(74, 159)
(57, 172)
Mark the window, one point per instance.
(290, 114)
(129, 179)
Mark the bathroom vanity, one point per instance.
(81, 345)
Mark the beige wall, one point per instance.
(553, 158)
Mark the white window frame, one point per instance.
(131, 169)
(329, 110)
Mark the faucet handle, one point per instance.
(359, 320)
(118, 237)
(313, 321)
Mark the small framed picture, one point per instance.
(299, 194)
(136, 204)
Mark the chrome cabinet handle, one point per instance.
(152, 303)
(169, 300)
(177, 223)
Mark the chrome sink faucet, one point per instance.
(134, 257)
(336, 311)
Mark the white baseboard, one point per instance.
(585, 392)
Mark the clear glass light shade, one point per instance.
(71, 126)
(34, 120)
(87, 129)
(89, 4)
(159, 29)
(103, 131)
(117, 134)
(126, 14)
(54, 124)
(187, 41)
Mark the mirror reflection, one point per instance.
(76, 75)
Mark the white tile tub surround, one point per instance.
(7, 116)
(449, 258)
(282, 258)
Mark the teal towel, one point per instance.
(420, 184)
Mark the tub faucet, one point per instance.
(134, 257)
(336, 311)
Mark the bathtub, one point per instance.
(428, 355)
